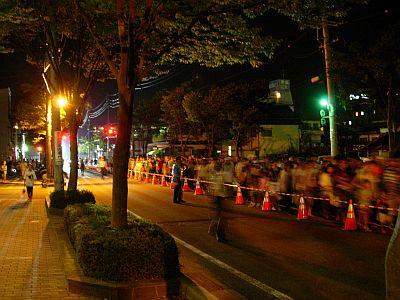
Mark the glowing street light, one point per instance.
(61, 101)
(323, 102)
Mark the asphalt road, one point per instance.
(267, 255)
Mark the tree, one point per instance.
(29, 109)
(208, 109)
(374, 70)
(137, 38)
(146, 119)
(174, 115)
(61, 47)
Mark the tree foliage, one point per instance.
(146, 120)
(374, 70)
(139, 38)
(29, 111)
(52, 33)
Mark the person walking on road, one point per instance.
(29, 181)
(176, 179)
(4, 171)
(219, 194)
(82, 166)
(103, 166)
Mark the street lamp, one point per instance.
(39, 150)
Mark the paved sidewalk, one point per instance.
(30, 263)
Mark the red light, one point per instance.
(110, 131)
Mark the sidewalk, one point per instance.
(30, 262)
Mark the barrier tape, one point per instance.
(275, 193)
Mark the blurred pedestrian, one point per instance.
(4, 171)
(219, 194)
(285, 182)
(29, 181)
(82, 167)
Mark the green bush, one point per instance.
(61, 199)
(140, 251)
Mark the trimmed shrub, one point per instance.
(61, 199)
(141, 251)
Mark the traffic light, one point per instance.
(110, 131)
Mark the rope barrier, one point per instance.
(273, 192)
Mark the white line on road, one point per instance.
(269, 290)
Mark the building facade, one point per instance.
(5, 124)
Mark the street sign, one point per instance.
(322, 113)
(323, 122)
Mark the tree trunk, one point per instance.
(121, 159)
(73, 145)
(392, 265)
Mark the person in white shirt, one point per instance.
(29, 181)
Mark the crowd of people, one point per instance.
(373, 185)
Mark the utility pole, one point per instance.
(330, 90)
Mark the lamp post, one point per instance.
(16, 141)
(39, 150)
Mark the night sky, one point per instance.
(299, 58)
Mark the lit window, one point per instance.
(362, 113)
(356, 113)
(349, 122)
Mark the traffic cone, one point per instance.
(351, 223)
(171, 185)
(198, 190)
(266, 203)
(186, 186)
(163, 181)
(148, 180)
(239, 197)
(302, 214)
(155, 180)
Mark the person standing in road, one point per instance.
(82, 166)
(4, 171)
(29, 181)
(176, 179)
(103, 166)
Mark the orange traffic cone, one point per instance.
(155, 180)
(302, 213)
(163, 181)
(148, 179)
(266, 203)
(171, 185)
(351, 223)
(198, 190)
(186, 186)
(239, 197)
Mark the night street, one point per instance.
(266, 253)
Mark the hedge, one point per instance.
(141, 251)
(61, 199)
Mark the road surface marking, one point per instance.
(269, 290)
